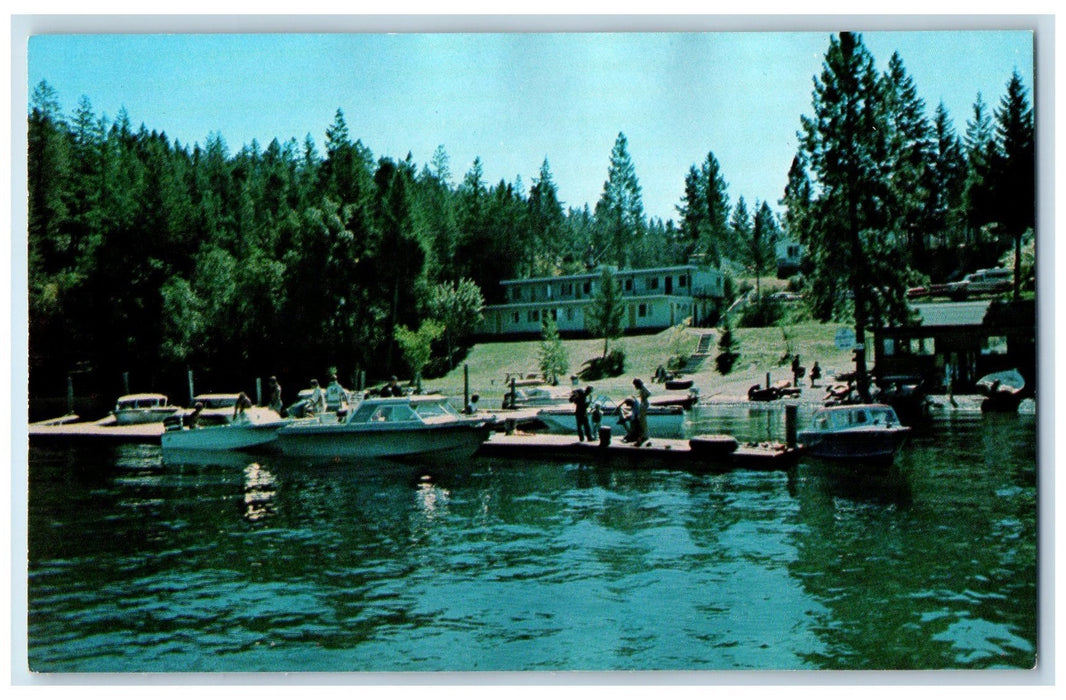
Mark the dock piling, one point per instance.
(791, 411)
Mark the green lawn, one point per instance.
(761, 351)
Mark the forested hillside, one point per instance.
(154, 257)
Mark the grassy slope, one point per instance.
(761, 351)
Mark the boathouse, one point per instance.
(954, 344)
(655, 299)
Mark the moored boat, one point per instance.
(855, 432)
(663, 421)
(255, 427)
(389, 427)
(134, 409)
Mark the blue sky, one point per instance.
(515, 99)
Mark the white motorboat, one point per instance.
(535, 396)
(255, 427)
(134, 409)
(389, 427)
(663, 421)
(856, 432)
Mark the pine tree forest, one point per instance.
(149, 258)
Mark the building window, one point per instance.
(555, 314)
(569, 314)
(642, 310)
(653, 283)
(533, 316)
(921, 346)
(629, 285)
(888, 347)
(515, 317)
(995, 345)
(587, 287)
(566, 288)
(682, 281)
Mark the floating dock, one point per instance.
(658, 452)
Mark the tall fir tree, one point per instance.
(1015, 168)
(854, 250)
(620, 209)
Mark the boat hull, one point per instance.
(223, 437)
(141, 416)
(878, 445)
(663, 421)
(390, 442)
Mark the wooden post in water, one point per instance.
(767, 380)
(125, 382)
(791, 411)
(258, 391)
(466, 385)
(192, 392)
(362, 379)
(70, 395)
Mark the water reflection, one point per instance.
(259, 492)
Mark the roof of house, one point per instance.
(959, 313)
(595, 274)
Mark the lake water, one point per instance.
(137, 563)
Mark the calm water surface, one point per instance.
(268, 564)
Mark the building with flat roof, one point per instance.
(954, 344)
(655, 299)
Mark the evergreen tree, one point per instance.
(949, 181)
(908, 158)
(764, 234)
(620, 209)
(855, 249)
(547, 224)
(606, 315)
(554, 360)
(980, 156)
(1015, 168)
(740, 225)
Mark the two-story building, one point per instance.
(654, 298)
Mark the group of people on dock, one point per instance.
(632, 414)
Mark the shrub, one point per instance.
(761, 313)
(613, 365)
(728, 346)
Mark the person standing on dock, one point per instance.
(642, 404)
(581, 398)
(816, 374)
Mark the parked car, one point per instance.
(990, 281)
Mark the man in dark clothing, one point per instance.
(393, 388)
(581, 400)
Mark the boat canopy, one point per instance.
(844, 417)
(132, 401)
(403, 410)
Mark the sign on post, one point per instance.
(845, 339)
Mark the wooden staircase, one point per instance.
(701, 353)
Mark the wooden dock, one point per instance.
(101, 431)
(664, 452)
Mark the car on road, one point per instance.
(990, 281)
